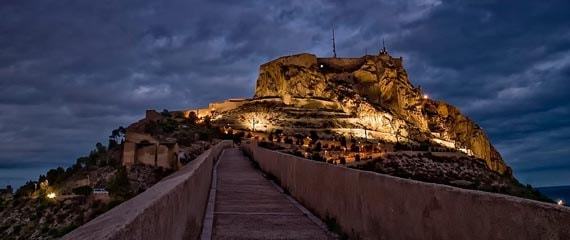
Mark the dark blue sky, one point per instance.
(71, 71)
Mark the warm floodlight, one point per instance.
(51, 195)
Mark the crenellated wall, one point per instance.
(369, 205)
(171, 209)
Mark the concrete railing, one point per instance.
(369, 205)
(171, 209)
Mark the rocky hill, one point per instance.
(65, 198)
(368, 98)
(357, 112)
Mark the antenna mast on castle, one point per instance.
(333, 42)
(383, 51)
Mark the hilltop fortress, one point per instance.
(369, 97)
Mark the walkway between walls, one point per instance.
(249, 206)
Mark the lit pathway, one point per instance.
(248, 206)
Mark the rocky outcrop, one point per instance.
(377, 90)
(370, 96)
(296, 76)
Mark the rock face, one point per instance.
(367, 97)
(370, 86)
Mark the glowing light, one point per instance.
(560, 202)
(426, 96)
(51, 195)
(322, 66)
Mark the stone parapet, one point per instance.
(370, 205)
(171, 209)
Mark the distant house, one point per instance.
(100, 194)
(100, 191)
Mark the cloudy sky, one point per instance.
(71, 71)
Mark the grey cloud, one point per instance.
(72, 71)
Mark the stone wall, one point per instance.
(342, 64)
(369, 205)
(142, 148)
(146, 155)
(171, 209)
(164, 158)
(128, 157)
(224, 106)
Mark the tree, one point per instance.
(83, 190)
(278, 132)
(168, 126)
(354, 148)
(317, 157)
(119, 187)
(343, 141)
(100, 148)
(299, 139)
(192, 118)
(56, 176)
(165, 113)
(82, 162)
(314, 136)
(26, 190)
(207, 121)
(117, 137)
(317, 147)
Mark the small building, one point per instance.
(100, 194)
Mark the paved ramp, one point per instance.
(248, 206)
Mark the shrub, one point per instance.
(317, 157)
(354, 148)
(333, 226)
(119, 187)
(83, 190)
(168, 126)
(317, 147)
